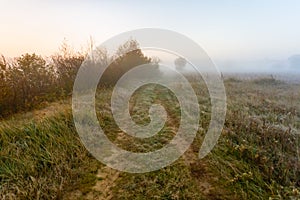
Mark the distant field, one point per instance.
(287, 77)
(257, 156)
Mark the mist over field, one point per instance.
(288, 65)
(172, 100)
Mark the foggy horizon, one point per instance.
(237, 36)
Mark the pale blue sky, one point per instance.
(227, 30)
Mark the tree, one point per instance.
(4, 90)
(3, 66)
(66, 64)
(123, 62)
(180, 63)
(33, 76)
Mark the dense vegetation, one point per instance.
(29, 80)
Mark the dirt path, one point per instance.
(106, 178)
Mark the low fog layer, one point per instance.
(289, 65)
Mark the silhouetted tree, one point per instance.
(123, 62)
(180, 63)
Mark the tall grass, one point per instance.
(42, 159)
(257, 156)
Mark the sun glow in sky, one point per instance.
(227, 30)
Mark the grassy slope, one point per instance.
(42, 157)
(257, 156)
(247, 163)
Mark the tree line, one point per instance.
(30, 79)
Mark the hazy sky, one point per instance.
(227, 30)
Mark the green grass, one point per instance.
(257, 156)
(43, 158)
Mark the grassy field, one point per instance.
(257, 156)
